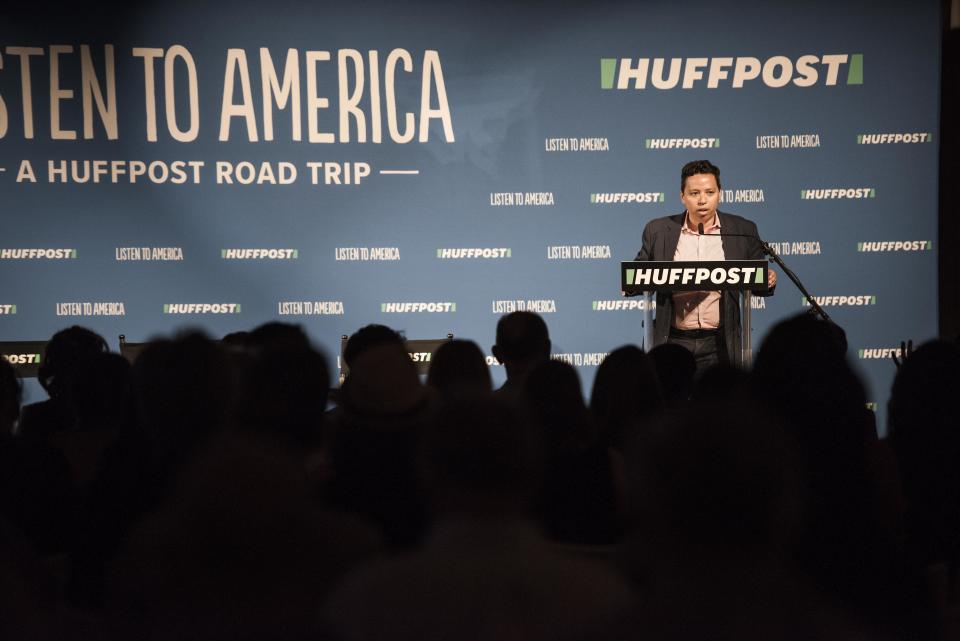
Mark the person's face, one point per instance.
(700, 196)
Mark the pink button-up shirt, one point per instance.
(698, 310)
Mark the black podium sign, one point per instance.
(683, 276)
(25, 356)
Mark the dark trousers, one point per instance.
(707, 346)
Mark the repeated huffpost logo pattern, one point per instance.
(842, 301)
(838, 193)
(38, 254)
(732, 73)
(895, 246)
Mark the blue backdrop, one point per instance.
(533, 142)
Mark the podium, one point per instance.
(649, 277)
(24, 356)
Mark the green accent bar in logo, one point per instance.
(873, 193)
(14, 309)
(647, 143)
(873, 300)
(383, 307)
(930, 137)
(630, 273)
(73, 253)
(593, 198)
(759, 275)
(438, 252)
(803, 301)
(509, 252)
(661, 196)
(803, 194)
(166, 309)
(860, 353)
(454, 308)
(594, 305)
(929, 245)
(296, 253)
(855, 73)
(238, 309)
(716, 142)
(859, 139)
(859, 247)
(608, 67)
(223, 253)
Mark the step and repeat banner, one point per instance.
(432, 166)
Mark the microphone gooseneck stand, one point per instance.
(769, 251)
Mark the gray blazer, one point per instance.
(660, 238)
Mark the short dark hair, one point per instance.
(368, 336)
(522, 335)
(695, 167)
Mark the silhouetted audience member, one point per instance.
(850, 543)
(103, 407)
(235, 340)
(284, 387)
(459, 367)
(373, 443)
(715, 503)
(28, 591)
(484, 573)
(10, 395)
(64, 352)
(923, 434)
(240, 551)
(625, 391)
(360, 341)
(523, 342)
(719, 382)
(36, 492)
(580, 500)
(676, 368)
(366, 337)
(278, 337)
(182, 389)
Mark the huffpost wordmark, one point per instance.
(195, 172)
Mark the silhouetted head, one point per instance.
(676, 368)
(625, 389)
(459, 367)
(367, 337)
(553, 395)
(921, 402)
(284, 388)
(64, 351)
(182, 389)
(278, 336)
(801, 367)
(924, 436)
(236, 340)
(522, 342)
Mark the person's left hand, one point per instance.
(771, 279)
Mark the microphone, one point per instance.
(768, 250)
